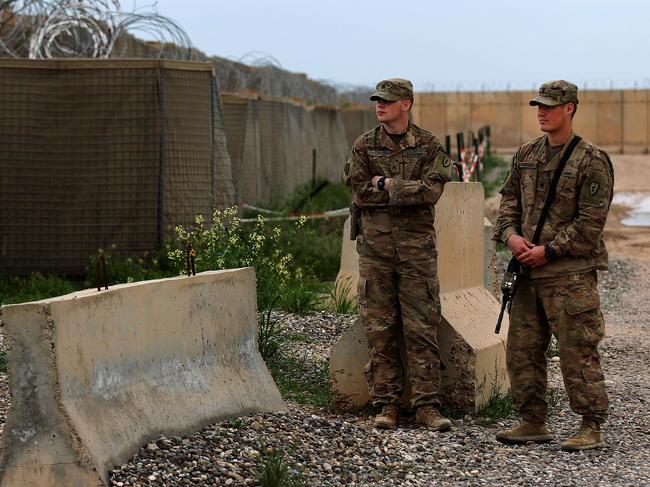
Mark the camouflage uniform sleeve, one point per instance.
(594, 198)
(358, 178)
(509, 216)
(436, 171)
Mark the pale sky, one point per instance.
(436, 44)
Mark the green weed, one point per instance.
(269, 338)
(275, 472)
(494, 172)
(498, 406)
(235, 423)
(340, 302)
(226, 245)
(33, 288)
(296, 296)
(300, 381)
(121, 268)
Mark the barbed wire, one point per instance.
(491, 86)
(38, 29)
(259, 59)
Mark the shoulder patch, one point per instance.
(595, 190)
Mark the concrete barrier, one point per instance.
(473, 355)
(95, 375)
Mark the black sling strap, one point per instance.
(553, 187)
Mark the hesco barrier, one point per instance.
(95, 375)
(276, 144)
(102, 152)
(474, 357)
(616, 120)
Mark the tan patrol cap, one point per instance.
(393, 89)
(553, 93)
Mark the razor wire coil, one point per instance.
(39, 29)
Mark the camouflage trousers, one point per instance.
(399, 302)
(569, 308)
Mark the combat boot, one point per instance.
(387, 419)
(429, 416)
(587, 437)
(525, 432)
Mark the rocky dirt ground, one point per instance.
(322, 448)
(326, 449)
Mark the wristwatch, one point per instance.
(549, 253)
(380, 183)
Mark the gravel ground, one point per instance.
(325, 449)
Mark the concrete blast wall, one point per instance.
(617, 120)
(276, 145)
(94, 375)
(473, 355)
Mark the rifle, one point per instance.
(512, 275)
(508, 288)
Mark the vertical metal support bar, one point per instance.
(622, 92)
(460, 144)
(161, 166)
(313, 169)
(478, 160)
(213, 141)
(103, 261)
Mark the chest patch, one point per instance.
(413, 152)
(379, 153)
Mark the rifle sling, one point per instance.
(553, 187)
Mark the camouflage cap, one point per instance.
(553, 93)
(393, 89)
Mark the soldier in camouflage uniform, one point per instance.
(557, 293)
(397, 172)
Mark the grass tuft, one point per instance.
(498, 406)
(340, 302)
(275, 472)
(301, 381)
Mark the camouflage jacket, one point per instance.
(419, 167)
(575, 223)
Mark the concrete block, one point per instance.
(473, 355)
(95, 375)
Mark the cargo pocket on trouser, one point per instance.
(585, 324)
(579, 357)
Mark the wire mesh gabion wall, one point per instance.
(40, 29)
(95, 153)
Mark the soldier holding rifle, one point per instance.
(556, 291)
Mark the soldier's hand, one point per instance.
(534, 257)
(518, 245)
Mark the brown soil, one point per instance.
(632, 173)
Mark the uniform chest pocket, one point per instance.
(379, 165)
(565, 198)
(528, 182)
(411, 168)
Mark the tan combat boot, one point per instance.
(387, 419)
(587, 437)
(429, 416)
(525, 432)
